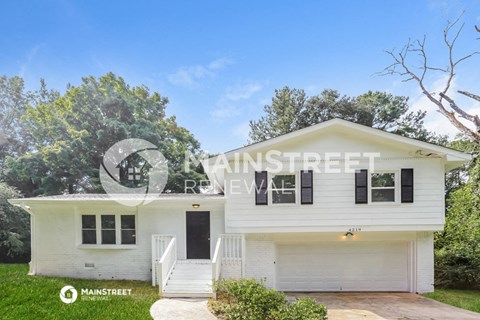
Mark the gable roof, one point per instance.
(453, 158)
(348, 125)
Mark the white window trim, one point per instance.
(397, 189)
(270, 189)
(118, 232)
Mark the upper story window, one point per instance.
(108, 229)
(383, 187)
(283, 189)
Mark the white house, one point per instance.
(359, 216)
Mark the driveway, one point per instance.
(378, 306)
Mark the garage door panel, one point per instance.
(355, 266)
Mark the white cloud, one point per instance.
(189, 76)
(242, 130)
(223, 111)
(227, 107)
(242, 92)
(29, 57)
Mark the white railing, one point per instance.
(217, 260)
(233, 248)
(159, 245)
(166, 264)
(229, 250)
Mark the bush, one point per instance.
(457, 248)
(249, 299)
(302, 308)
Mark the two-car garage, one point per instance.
(343, 266)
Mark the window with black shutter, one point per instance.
(306, 184)
(407, 185)
(361, 186)
(261, 188)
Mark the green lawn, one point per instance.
(36, 297)
(465, 299)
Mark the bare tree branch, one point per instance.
(403, 68)
(470, 95)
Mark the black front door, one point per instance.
(198, 235)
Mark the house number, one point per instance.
(355, 229)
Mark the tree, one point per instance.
(291, 110)
(403, 67)
(14, 228)
(457, 247)
(71, 134)
(15, 139)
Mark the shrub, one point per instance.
(302, 308)
(249, 299)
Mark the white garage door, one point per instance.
(343, 266)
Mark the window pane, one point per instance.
(284, 181)
(283, 196)
(383, 195)
(89, 236)
(108, 236)
(128, 236)
(128, 222)
(383, 180)
(88, 222)
(108, 222)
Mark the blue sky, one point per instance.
(220, 62)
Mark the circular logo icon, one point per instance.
(116, 158)
(68, 294)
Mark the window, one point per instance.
(89, 230)
(108, 229)
(128, 229)
(383, 187)
(283, 189)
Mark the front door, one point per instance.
(198, 235)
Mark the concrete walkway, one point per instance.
(181, 308)
(382, 306)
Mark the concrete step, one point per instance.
(188, 281)
(190, 278)
(187, 294)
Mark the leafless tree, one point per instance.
(401, 66)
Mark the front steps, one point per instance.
(190, 279)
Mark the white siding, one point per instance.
(260, 261)
(425, 262)
(334, 207)
(58, 250)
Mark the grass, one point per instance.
(465, 299)
(36, 297)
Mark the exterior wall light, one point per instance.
(195, 206)
(348, 234)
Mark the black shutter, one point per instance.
(261, 191)
(361, 186)
(306, 184)
(407, 185)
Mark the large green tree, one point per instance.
(14, 228)
(70, 134)
(457, 247)
(292, 109)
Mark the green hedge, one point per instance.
(249, 299)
